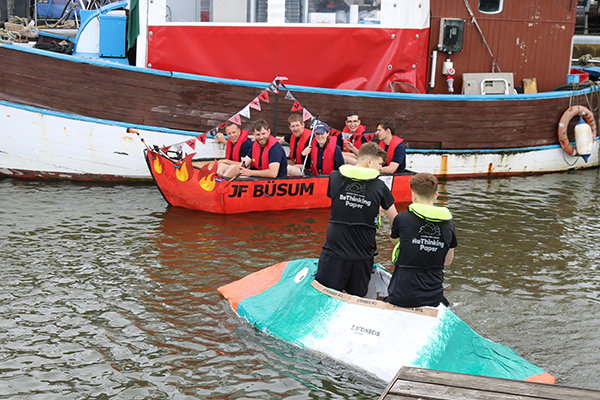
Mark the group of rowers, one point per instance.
(312, 151)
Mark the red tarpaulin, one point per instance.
(330, 57)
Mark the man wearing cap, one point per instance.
(356, 194)
(324, 155)
(298, 140)
(268, 157)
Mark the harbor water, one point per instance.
(108, 293)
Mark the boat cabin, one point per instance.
(415, 46)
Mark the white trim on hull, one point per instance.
(38, 143)
(463, 164)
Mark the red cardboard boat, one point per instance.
(184, 185)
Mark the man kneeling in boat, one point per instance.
(393, 145)
(324, 155)
(356, 194)
(239, 145)
(425, 242)
(268, 157)
(298, 140)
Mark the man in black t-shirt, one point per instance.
(425, 242)
(356, 195)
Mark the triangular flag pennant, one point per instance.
(202, 138)
(335, 132)
(306, 115)
(296, 106)
(245, 112)
(369, 136)
(191, 143)
(255, 104)
(290, 96)
(223, 124)
(264, 96)
(272, 88)
(236, 119)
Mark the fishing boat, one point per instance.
(200, 188)
(286, 302)
(191, 66)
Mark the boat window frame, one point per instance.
(498, 11)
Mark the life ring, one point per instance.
(563, 138)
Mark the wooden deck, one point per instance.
(424, 384)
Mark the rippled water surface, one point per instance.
(106, 292)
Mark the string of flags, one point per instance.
(189, 146)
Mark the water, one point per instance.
(108, 293)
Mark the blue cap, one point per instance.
(321, 127)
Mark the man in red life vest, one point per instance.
(353, 136)
(298, 140)
(393, 146)
(268, 157)
(239, 145)
(324, 155)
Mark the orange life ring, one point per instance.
(564, 124)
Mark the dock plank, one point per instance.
(417, 383)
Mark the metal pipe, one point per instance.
(433, 68)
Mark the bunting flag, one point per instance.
(165, 149)
(202, 138)
(191, 143)
(245, 112)
(236, 119)
(296, 106)
(264, 96)
(255, 104)
(335, 132)
(369, 136)
(306, 115)
(272, 88)
(223, 124)
(289, 96)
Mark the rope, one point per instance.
(495, 64)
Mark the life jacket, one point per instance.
(391, 148)
(429, 213)
(356, 137)
(328, 157)
(232, 152)
(258, 162)
(297, 145)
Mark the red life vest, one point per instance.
(356, 137)
(258, 162)
(232, 152)
(300, 145)
(392, 147)
(328, 156)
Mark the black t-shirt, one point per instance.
(419, 275)
(354, 214)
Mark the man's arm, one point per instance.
(449, 257)
(390, 169)
(221, 138)
(391, 213)
(282, 140)
(272, 172)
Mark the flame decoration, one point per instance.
(158, 168)
(182, 173)
(207, 182)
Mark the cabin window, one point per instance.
(491, 6)
(318, 11)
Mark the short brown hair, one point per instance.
(388, 123)
(229, 123)
(294, 118)
(424, 184)
(260, 124)
(372, 150)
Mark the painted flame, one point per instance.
(182, 173)
(157, 165)
(207, 182)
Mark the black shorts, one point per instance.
(350, 275)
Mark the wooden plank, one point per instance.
(427, 384)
